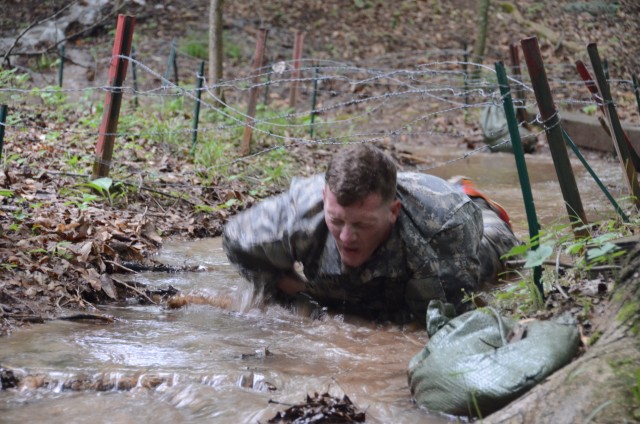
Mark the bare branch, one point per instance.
(15, 42)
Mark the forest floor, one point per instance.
(60, 244)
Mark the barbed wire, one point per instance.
(416, 95)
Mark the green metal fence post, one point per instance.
(266, 88)
(523, 174)
(635, 90)
(171, 63)
(196, 112)
(61, 65)
(134, 75)
(579, 155)
(313, 100)
(3, 121)
(465, 68)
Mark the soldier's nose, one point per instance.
(347, 234)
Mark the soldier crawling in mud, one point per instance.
(371, 241)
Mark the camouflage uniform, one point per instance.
(433, 251)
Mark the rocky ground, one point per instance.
(59, 248)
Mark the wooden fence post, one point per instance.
(617, 133)
(595, 95)
(295, 75)
(521, 113)
(553, 131)
(253, 95)
(113, 98)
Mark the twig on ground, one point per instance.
(557, 284)
(120, 266)
(122, 283)
(139, 187)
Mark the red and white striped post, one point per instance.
(113, 99)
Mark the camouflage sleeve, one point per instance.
(265, 241)
(450, 265)
(256, 241)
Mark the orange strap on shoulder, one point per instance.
(470, 190)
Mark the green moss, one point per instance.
(628, 312)
(595, 337)
(507, 7)
(628, 373)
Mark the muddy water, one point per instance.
(496, 175)
(216, 365)
(204, 364)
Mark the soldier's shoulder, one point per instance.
(418, 181)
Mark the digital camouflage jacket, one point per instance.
(434, 250)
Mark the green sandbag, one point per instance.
(470, 368)
(494, 130)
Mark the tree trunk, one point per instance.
(481, 35)
(216, 51)
(601, 386)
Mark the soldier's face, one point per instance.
(360, 228)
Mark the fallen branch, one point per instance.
(15, 42)
(83, 317)
(133, 289)
(122, 267)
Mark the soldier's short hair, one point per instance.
(359, 170)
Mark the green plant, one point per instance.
(20, 215)
(536, 7)
(211, 153)
(361, 4)
(82, 203)
(204, 209)
(507, 7)
(105, 187)
(8, 267)
(520, 298)
(52, 96)
(587, 252)
(594, 249)
(635, 389)
(73, 162)
(196, 48)
(232, 50)
(11, 78)
(61, 249)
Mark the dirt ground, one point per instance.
(63, 256)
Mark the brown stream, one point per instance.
(204, 364)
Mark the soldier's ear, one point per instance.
(395, 209)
